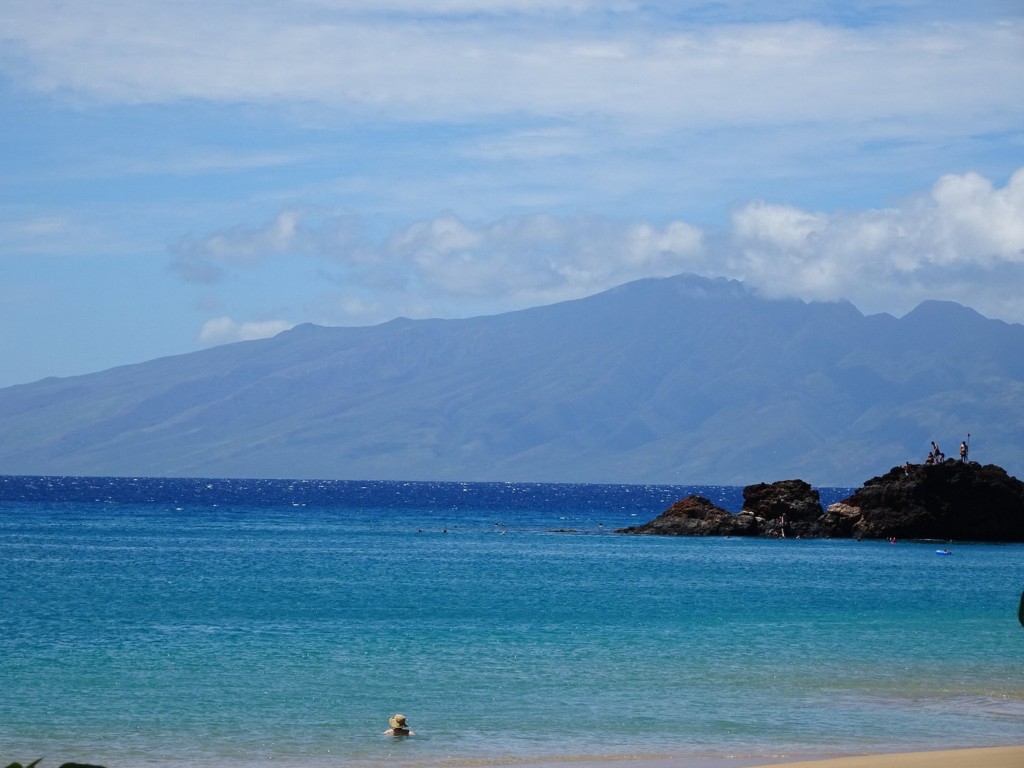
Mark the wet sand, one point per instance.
(993, 757)
(988, 757)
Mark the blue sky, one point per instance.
(181, 174)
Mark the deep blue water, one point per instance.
(173, 622)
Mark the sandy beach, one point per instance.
(993, 757)
(987, 757)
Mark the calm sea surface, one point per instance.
(155, 623)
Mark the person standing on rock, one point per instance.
(963, 452)
(939, 455)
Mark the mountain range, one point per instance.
(684, 380)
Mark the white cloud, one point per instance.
(450, 267)
(962, 240)
(224, 330)
(959, 241)
(34, 234)
(457, 61)
(208, 260)
(62, 232)
(976, 221)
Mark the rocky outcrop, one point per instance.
(694, 516)
(788, 507)
(784, 508)
(949, 501)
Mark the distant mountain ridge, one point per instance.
(674, 380)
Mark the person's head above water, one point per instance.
(399, 726)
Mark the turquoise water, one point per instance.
(224, 626)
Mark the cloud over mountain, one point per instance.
(961, 240)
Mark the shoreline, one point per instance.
(978, 757)
(975, 757)
(971, 757)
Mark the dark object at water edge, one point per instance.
(952, 501)
(34, 763)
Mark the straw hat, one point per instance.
(398, 721)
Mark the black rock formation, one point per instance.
(784, 508)
(952, 501)
(696, 516)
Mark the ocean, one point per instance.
(154, 623)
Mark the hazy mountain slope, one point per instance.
(676, 380)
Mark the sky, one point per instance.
(185, 173)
